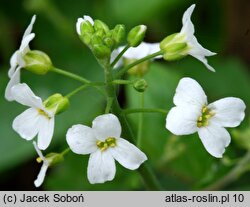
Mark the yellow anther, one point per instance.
(204, 109)
(42, 112)
(199, 124)
(203, 120)
(200, 118)
(109, 142)
(39, 159)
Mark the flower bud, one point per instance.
(101, 51)
(140, 85)
(109, 42)
(118, 33)
(136, 35)
(37, 62)
(99, 25)
(57, 102)
(86, 27)
(174, 47)
(138, 70)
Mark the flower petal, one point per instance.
(189, 92)
(46, 131)
(81, 20)
(215, 139)
(24, 48)
(81, 139)
(39, 152)
(13, 64)
(30, 27)
(15, 79)
(188, 27)
(127, 154)
(182, 120)
(40, 178)
(27, 124)
(105, 126)
(25, 96)
(229, 112)
(101, 167)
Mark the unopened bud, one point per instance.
(118, 33)
(37, 62)
(140, 85)
(136, 35)
(99, 25)
(101, 51)
(174, 47)
(57, 102)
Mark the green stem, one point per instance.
(70, 75)
(122, 82)
(64, 152)
(126, 68)
(144, 110)
(140, 121)
(109, 105)
(148, 177)
(119, 56)
(232, 175)
(76, 91)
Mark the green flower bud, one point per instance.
(58, 102)
(101, 51)
(136, 35)
(109, 42)
(37, 62)
(99, 25)
(86, 28)
(140, 85)
(118, 33)
(174, 47)
(138, 70)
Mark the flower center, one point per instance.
(42, 112)
(206, 114)
(109, 142)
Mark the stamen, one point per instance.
(42, 112)
(109, 142)
(203, 120)
(39, 159)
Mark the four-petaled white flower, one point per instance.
(35, 120)
(104, 145)
(136, 53)
(193, 114)
(196, 50)
(16, 60)
(81, 20)
(40, 178)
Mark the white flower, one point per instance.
(104, 145)
(136, 53)
(16, 60)
(40, 178)
(193, 114)
(35, 120)
(81, 20)
(195, 49)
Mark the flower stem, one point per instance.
(147, 175)
(64, 152)
(140, 121)
(109, 105)
(123, 82)
(76, 91)
(119, 56)
(70, 75)
(126, 68)
(144, 110)
(233, 175)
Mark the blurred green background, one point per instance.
(180, 163)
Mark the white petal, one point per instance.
(153, 48)
(128, 155)
(15, 79)
(101, 167)
(137, 52)
(13, 64)
(204, 61)
(25, 96)
(229, 112)
(78, 25)
(30, 27)
(45, 132)
(215, 139)
(24, 48)
(81, 139)
(182, 120)
(189, 92)
(105, 126)
(27, 124)
(187, 25)
(39, 152)
(40, 178)
(88, 18)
